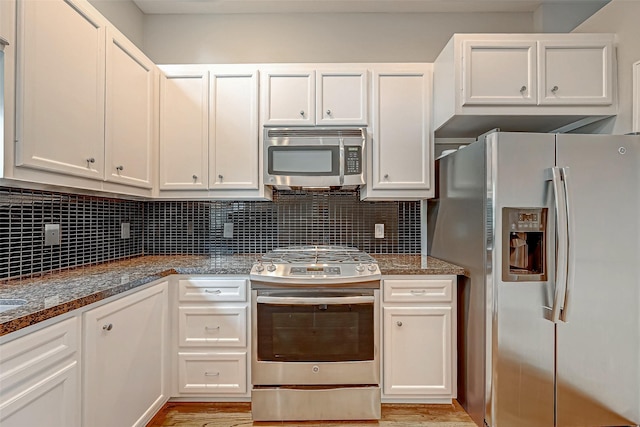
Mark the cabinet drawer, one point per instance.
(212, 372)
(27, 356)
(422, 290)
(228, 290)
(212, 326)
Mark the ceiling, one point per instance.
(345, 6)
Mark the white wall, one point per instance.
(563, 17)
(347, 37)
(125, 15)
(621, 17)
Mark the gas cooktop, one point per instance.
(315, 265)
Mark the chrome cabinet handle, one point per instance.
(210, 328)
(220, 177)
(523, 89)
(399, 323)
(107, 327)
(328, 112)
(418, 291)
(194, 177)
(120, 168)
(91, 160)
(386, 176)
(212, 374)
(554, 89)
(302, 113)
(214, 291)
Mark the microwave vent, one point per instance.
(316, 133)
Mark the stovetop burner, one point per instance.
(315, 265)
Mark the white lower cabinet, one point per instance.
(419, 341)
(40, 378)
(211, 329)
(125, 359)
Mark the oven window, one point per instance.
(315, 333)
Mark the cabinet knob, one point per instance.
(221, 177)
(107, 327)
(554, 89)
(195, 177)
(386, 176)
(399, 323)
(328, 112)
(120, 168)
(523, 89)
(91, 160)
(302, 113)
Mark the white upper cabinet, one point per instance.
(522, 82)
(401, 141)
(129, 136)
(60, 87)
(575, 72)
(341, 97)
(296, 96)
(499, 72)
(233, 123)
(184, 128)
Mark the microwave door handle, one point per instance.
(341, 159)
(365, 299)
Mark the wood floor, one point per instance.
(239, 415)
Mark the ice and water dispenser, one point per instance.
(524, 243)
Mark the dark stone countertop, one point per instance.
(53, 294)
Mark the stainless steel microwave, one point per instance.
(315, 157)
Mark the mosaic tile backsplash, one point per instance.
(91, 227)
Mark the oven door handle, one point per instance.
(364, 299)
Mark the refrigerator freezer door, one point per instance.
(598, 347)
(520, 339)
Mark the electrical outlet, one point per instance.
(379, 231)
(52, 234)
(125, 230)
(227, 232)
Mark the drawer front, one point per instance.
(212, 326)
(420, 290)
(212, 373)
(228, 290)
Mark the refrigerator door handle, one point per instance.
(570, 264)
(555, 176)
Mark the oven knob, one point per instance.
(372, 267)
(315, 369)
(360, 268)
(259, 267)
(271, 267)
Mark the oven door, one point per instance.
(315, 337)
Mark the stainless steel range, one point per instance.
(315, 324)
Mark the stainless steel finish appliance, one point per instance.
(549, 228)
(314, 157)
(315, 335)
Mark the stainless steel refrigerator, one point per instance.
(548, 227)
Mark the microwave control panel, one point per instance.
(353, 157)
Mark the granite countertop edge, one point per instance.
(54, 294)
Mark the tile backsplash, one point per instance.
(91, 227)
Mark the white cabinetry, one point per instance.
(297, 96)
(40, 378)
(130, 107)
(211, 350)
(60, 87)
(419, 340)
(209, 131)
(401, 146)
(523, 82)
(125, 351)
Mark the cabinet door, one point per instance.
(60, 87)
(402, 137)
(288, 98)
(575, 73)
(125, 363)
(341, 97)
(184, 122)
(499, 72)
(417, 351)
(131, 79)
(234, 143)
